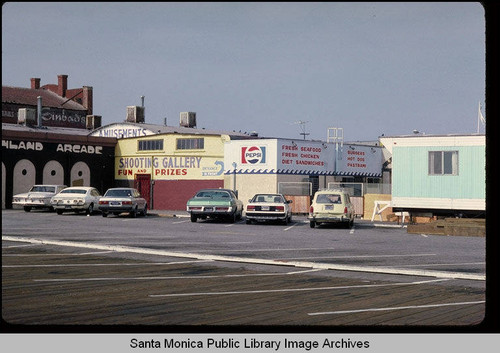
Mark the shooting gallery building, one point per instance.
(167, 164)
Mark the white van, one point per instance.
(331, 206)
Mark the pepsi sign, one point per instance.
(253, 155)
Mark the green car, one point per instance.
(215, 203)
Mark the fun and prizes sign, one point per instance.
(169, 167)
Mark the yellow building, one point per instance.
(168, 165)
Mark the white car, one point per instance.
(118, 200)
(268, 207)
(38, 197)
(76, 199)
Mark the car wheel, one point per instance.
(59, 211)
(27, 208)
(104, 214)
(90, 209)
(145, 211)
(312, 224)
(248, 221)
(133, 213)
(193, 218)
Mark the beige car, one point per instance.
(331, 206)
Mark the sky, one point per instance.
(279, 69)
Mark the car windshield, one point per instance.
(329, 198)
(213, 194)
(38, 188)
(74, 191)
(268, 198)
(119, 193)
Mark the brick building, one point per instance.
(45, 139)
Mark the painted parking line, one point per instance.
(150, 278)
(58, 254)
(448, 264)
(232, 224)
(258, 250)
(357, 256)
(19, 246)
(238, 259)
(287, 290)
(288, 228)
(109, 264)
(397, 308)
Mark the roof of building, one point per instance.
(29, 96)
(54, 134)
(165, 129)
(44, 129)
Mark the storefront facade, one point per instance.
(168, 169)
(53, 156)
(295, 168)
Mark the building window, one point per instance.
(443, 163)
(150, 145)
(191, 144)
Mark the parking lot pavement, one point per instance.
(169, 271)
(60, 285)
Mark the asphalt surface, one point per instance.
(165, 270)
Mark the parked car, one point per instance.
(38, 197)
(215, 203)
(331, 206)
(268, 207)
(76, 199)
(119, 200)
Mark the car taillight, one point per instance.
(345, 210)
(103, 202)
(280, 208)
(193, 208)
(126, 202)
(222, 208)
(311, 210)
(250, 208)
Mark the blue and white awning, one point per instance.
(298, 172)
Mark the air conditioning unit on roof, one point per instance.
(26, 116)
(93, 121)
(135, 114)
(188, 119)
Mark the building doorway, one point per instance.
(142, 182)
